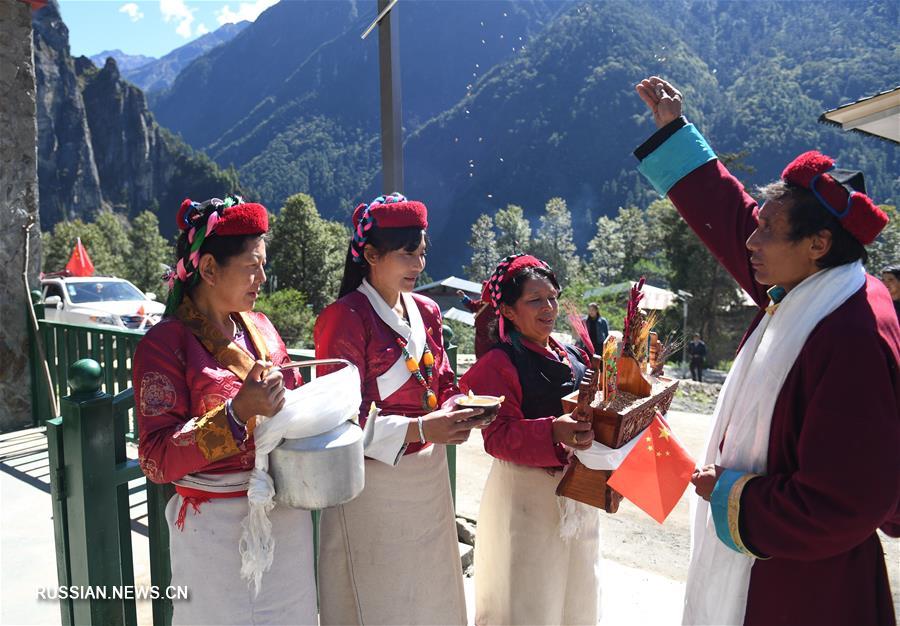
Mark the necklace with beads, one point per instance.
(563, 356)
(429, 400)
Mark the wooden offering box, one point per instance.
(615, 423)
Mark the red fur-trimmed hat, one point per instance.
(841, 192)
(506, 269)
(391, 211)
(231, 216)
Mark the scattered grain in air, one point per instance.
(482, 41)
(504, 14)
(501, 159)
(501, 36)
(490, 195)
(477, 66)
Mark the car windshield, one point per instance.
(102, 291)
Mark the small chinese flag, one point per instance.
(656, 471)
(80, 263)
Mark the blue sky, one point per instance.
(149, 27)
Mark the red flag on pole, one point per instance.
(80, 263)
(656, 471)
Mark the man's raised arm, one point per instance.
(679, 163)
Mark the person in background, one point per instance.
(801, 468)
(481, 309)
(890, 276)
(697, 352)
(597, 327)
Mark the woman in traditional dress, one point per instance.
(391, 555)
(201, 376)
(525, 571)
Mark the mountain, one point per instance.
(99, 147)
(562, 118)
(126, 62)
(301, 101)
(517, 102)
(159, 74)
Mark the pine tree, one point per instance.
(150, 253)
(607, 250)
(306, 251)
(513, 231)
(484, 249)
(886, 250)
(555, 241)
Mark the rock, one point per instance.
(18, 204)
(465, 531)
(466, 556)
(100, 147)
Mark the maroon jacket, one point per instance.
(833, 474)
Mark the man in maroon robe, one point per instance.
(830, 472)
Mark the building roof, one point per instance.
(876, 116)
(460, 316)
(655, 298)
(452, 282)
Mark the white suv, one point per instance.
(98, 300)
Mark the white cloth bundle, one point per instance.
(600, 457)
(314, 408)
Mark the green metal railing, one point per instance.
(90, 470)
(90, 474)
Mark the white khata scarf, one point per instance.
(718, 577)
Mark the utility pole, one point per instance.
(389, 84)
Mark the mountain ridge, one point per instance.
(99, 147)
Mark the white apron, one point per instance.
(205, 559)
(525, 573)
(391, 556)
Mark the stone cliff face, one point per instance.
(68, 178)
(99, 147)
(18, 206)
(128, 146)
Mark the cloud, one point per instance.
(177, 11)
(132, 10)
(201, 30)
(245, 11)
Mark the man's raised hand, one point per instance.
(661, 98)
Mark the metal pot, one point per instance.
(323, 470)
